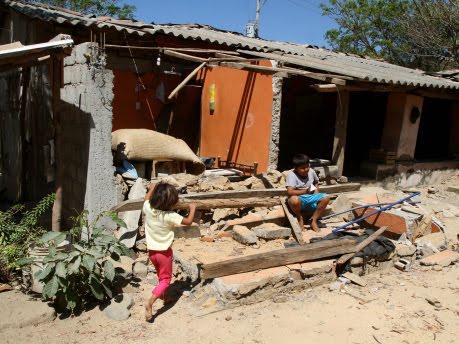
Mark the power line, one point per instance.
(306, 5)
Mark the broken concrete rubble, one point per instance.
(244, 235)
(269, 231)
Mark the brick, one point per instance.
(444, 258)
(207, 239)
(244, 235)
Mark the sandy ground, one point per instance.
(392, 308)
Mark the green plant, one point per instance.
(18, 229)
(84, 273)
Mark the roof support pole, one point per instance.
(339, 141)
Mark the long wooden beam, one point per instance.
(237, 194)
(273, 70)
(183, 83)
(185, 56)
(299, 254)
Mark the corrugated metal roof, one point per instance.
(303, 55)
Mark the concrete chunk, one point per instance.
(187, 232)
(269, 231)
(444, 258)
(244, 235)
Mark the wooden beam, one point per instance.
(273, 70)
(183, 83)
(339, 141)
(228, 55)
(325, 88)
(204, 203)
(360, 246)
(238, 194)
(296, 229)
(299, 254)
(184, 50)
(185, 56)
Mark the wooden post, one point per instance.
(58, 164)
(339, 142)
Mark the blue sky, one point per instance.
(298, 21)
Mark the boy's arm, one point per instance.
(291, 191)
(149, 193)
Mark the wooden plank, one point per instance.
(273, 70)
(296, 230)
(183, 83)
(360, 246)
(292, 255)
(203, 203)
(238, 194)
(339, 141)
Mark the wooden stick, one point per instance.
(184, 56)
(296, 230)
(292, 255)
(183, 83)
(361, 245)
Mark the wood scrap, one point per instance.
(361, 245)
(292, 255)
(296, 229)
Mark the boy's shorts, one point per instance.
(309, 202)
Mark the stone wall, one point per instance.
(275, 122)
(86, 117)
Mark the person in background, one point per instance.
(160, 220)
(303, 192)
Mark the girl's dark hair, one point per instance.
(300, 160)
(165, 196)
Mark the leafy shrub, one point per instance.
(18, 229)
(84, 273)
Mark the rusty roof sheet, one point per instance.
(303, 55)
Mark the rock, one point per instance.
(254, 183)
(117, 313)
(327, 172)
(204, 186)
(244, 235)
(280, 298)
(128, 235)
(141, 246)
(436, 239)
(125, 263)
(443, 258)
(437, 268)
(224, 213)
(140, 269)
(185, 179)
(434, 302)
(186, 293)
(228, 317)
(269, 231)
(274, 176)
(187, 232)
(341, 203)
(342, 180)
(447, 214)
(121, 188)
(405, 251)
(431, 190)
(356, 262)
(207, 239)
(454, 189)
(335, 286)
(119, 306)
(210, 302)
(355, 279)
(171, 180)
(219, 183)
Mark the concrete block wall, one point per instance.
(86, 117)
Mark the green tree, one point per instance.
(111, 8)
(368, 27)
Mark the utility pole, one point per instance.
(257, 18)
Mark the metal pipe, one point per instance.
(376, 211)
(361, 206)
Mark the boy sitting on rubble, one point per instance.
(303, 192)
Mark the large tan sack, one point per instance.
(145, 145)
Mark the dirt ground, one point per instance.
(420, 306)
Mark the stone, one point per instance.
(436, 239)
(128, 235)
(220, 183)
(342, 180)
(437, 268)
(254, 183)
(356, 262)
(244, 235)
(171, 180)
(140, 269)
(224, 213)
(326, 172)
(341, 203)
(431, 190)
(443, 258)
(141, 246)
(274, 176)
(206, 239)
(355, 279)
(187, 232)
(434, 302)
(119, 306)
(454, 189)
(228, 317)
(116, 312)
(210, 302)
(405, 251)
(280, 298)
(125, 263)
(269, 231)
(121, 188)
